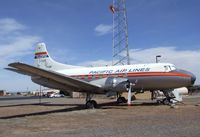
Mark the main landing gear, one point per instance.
(121, 99)
(90, 104)
(124, 100)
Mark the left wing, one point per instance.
(73, 83)
(19, 71)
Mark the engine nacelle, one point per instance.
(113, 84)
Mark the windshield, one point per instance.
(169, 68)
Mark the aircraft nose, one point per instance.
(193, 77)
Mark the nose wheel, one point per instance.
(166, 101)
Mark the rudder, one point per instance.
(43, 60)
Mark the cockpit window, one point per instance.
(173, 67)
(169, 68)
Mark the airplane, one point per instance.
(107, 80)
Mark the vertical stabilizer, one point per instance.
(43, 60)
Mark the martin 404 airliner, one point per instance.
(103, 80)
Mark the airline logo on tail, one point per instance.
(39, 55)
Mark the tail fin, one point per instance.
(43, 60)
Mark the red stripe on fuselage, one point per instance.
(135, 74)
(138, 74)
(41, 53)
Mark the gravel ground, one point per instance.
(67, 117)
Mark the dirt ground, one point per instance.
(67, 117)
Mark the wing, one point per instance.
(19, 71)
(73, 83)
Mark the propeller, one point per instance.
(129, 92)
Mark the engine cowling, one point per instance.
(113, 84)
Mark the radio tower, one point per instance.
(120, 33)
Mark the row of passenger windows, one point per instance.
(98, 76)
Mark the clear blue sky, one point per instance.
(69, 28)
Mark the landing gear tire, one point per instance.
(91, 104)
(159, 101)
(133, 98)
(166, 101)
(121, 100)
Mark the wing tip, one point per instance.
(10, 69)
(13, 64)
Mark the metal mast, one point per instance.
(120, 33)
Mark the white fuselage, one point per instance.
(110, 70)
(148, 76)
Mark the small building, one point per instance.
(44, 92)
(76, 94)
(2, 92)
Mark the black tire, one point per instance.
(91, 104)
(133, 98)
(94, 103)
(159, 101)
(121, 100)
(124, 100)
(166, 101)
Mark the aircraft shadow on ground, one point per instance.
(44, 112)
(112, 105)
(77, 107)
(20, 98)
(17, 105)
(40, 104)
